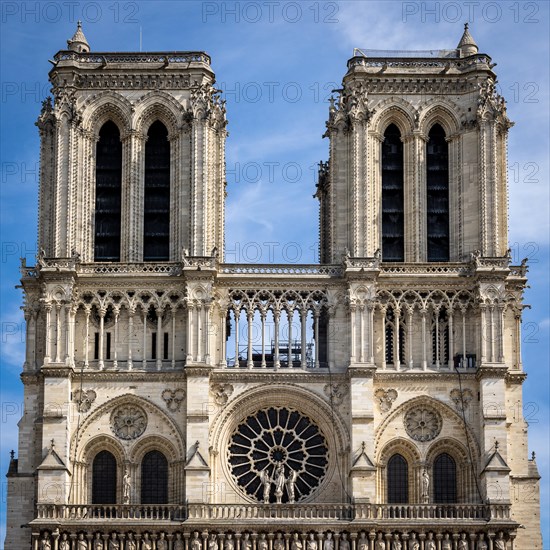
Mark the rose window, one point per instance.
(128, 421)
(278, 439)
(423, 424)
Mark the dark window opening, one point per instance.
(437, 195)
(104, 478)
(154, 478)
(393, 217)
(154, 345)
(398, 480)
(165, 346)
(96, 345)
(108, 350)
(156, 214)
(445, 480)
(108, 188)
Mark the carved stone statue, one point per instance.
(81, 543)
(279, 483)
(162, 543)
(98, 543)
(196, 542)
(363, 542)
(446, 543)
(311, 543)
(178, 543)
(482, 543)
(266, 482)
(425, 485)
(262, 542)
(396, 543)
(146, 542)
(328, 543)
(45, 543)
(413, 543)
(499, 543)
(130, 542)
(114, 544)
(64, 543)
(296, 543)
(344, 542)
(380, 543)
(430, 542)
(229, 543)
(246, 543)
(462, 543)
(278, 543)
(291, 486)
(126, 487)
(213, 542)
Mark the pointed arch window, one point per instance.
(391, 338)
(437, 195)
(104, 478)
(156, 212)
(444, 474)
(393, 218)
(398, 480)
(154, 478)
(108, 188)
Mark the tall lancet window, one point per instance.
(437, 195)
(108, 186)
(393, 219)
(156, 212)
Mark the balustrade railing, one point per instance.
(298, 512)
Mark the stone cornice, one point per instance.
(279, 376)
(491, 371)
(426, 376)
(515, 377)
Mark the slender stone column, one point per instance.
(437, 350)
(397, 350)
(517, 318)
(276, 318)
(370, 307)
(101, 363)
(383, 312)
(144, 358)
(451, 349)
(173, 312)
(58, 333)
(250, 319)
(159, 339)
(223, 320)
(290, 316)
(262, 314)
(500, 347)
(316, 332)
(492, 329)
(303, 326)
(48, 355)
(463, 336)
(361, 333)
(237, 315)
(189, 346)
(410, 331)
(353, 329)
(483, 313)
(424, 357)
(115, 343)
(130, 336)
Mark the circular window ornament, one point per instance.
(278, 455)
(128, 421)
(423, 423)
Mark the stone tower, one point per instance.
(174, 401)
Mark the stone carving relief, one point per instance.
(336, 393)
(385, 398)
(221, 393)
(128, 421)
(423, 423)
(84, 399)
(461, 398)
(173, 398)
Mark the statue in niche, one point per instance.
(279, 483)
(178, 543)
(98, 543)
(446, 543)
(130, 542)
(229, 543)
(462, 543)
(430, 542)
(262, 542)
(266, 483)
(196, 542)
(425, 485)
(81, 543)
(64, 543)
(246, 543)
(279, 543)
(482, 543)
(213, 542)
(126, 487)
(146, 542)
(414, 544)
(45, 543)
(162, 543)
(362, 542)
(344, 542)
(328, 543)
(114, 544)
(311, 543)
(291, 486)
(396, 543)
(500, 543)
(296, 543)
(380, 543)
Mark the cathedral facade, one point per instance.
(174, 401)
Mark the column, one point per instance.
(437, 350)
(290, 315)
(173, 337)
(115, 343)
(316, 335)
(483, 311)
(361, 333)
(451, 349)
(352, 308)
(200, 326)
(250, 319)
(48, 356)
(397, 350)
(500, 347)
(276, 318)
(517, 318)
(130, 336)
(87, 339)
(492, 329)
(207, 309)
(223, 358)
(410, 337)
(262, 315)
(144, 358)
(303, 344)
(463, 337)
(370, 307)
(101, 363)
(159, 339)
(189, 350)
(383, 312)
(69, 333)
(424, 359)
(237, 314)
(58, 333)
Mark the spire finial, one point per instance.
(78, 42)
(496, 444)
(12, 454)
(467, 45)
(532, 455)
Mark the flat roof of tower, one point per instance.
(393, 54)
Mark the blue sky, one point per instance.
(277, 63)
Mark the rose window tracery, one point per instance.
(128, 421)
(273, 438)
(423, 423)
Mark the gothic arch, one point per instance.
(439, 110)
(394, 111)
(153, 443)
(104, 107)
(400, 445)
(158, 105)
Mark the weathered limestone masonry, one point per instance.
(174, 401)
